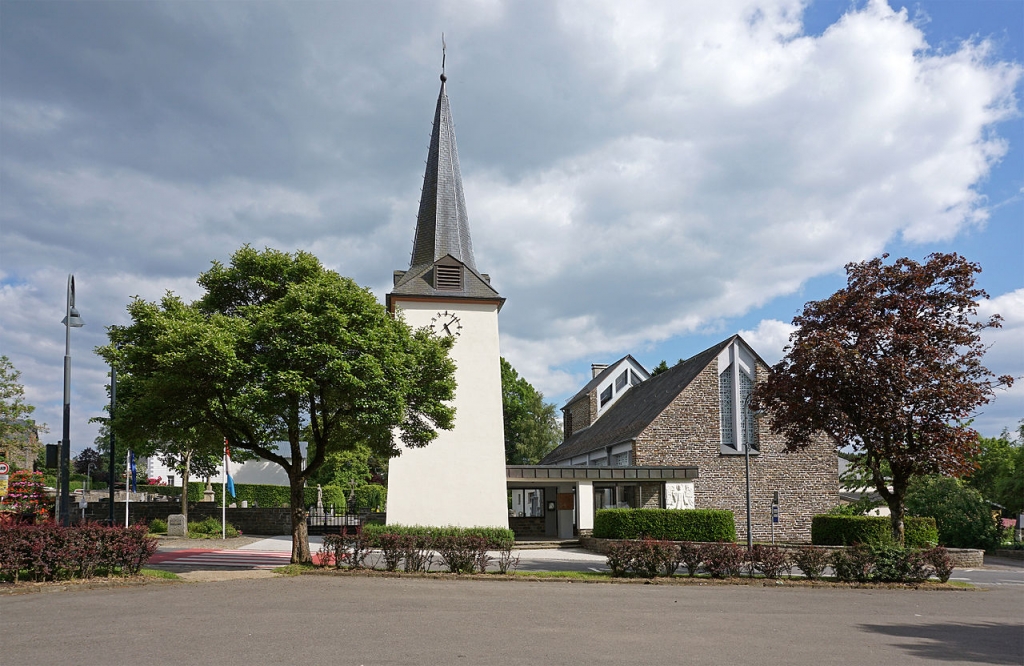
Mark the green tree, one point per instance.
(663, 367)
(280, 349)
(345, 469)
(16, 428)
(889, 366)
(531, 427)
(85, 459)
(1000, 473)
(962, 515)
(197, 450)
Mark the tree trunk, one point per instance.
(300, 535)
(896, 515)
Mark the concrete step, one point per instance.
(538, 544)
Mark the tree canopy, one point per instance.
(891, 367)
(531, 426)
(280, 349)
(1000, 473)
(15, 413)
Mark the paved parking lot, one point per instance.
(357, 620)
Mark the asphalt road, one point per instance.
(355, 620)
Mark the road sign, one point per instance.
(775, 513)
(4, 468)
(3, 485)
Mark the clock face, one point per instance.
(446, 323)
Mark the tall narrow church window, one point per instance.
(725, 407)
(448, 278)
(748, 423)
(739, 429)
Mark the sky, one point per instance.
(645, 177)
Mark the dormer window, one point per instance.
(621, 381)
(448, 278)
(606, 396)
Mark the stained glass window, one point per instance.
(725, 407)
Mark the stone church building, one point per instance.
(675, 440)
(695, 415)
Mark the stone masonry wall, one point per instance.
(687, 433)
(580, 412)
(261, 521)
(650, 495)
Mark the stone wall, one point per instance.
(650, 495)
(579, 414)
(687, 433)
(527, 527)
(261, 521)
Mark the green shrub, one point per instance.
(920, 532)
(961, 514)
(495, 536)
(371, 497)
(670, 524)
(259, 494)
(334, 497)
(830, 530)
(210, 527)
(158, 526)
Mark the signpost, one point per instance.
(775, 514)
(3, 478)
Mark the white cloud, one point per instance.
(1005, 356)
(769, 339)
(634, 171)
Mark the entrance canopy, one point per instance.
(560, 500)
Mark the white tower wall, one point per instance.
(459, 478)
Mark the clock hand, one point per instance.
(447, 330)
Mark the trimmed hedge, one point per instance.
(51, 552)
(828, 530)
(495, 536)
(670, 524)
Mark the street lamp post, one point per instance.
(110, 473)
(71, 320)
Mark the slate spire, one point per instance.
(442, 225)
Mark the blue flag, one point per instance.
(131, 457)
(231, 486)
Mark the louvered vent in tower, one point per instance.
(448, 278)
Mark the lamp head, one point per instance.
(76, 319)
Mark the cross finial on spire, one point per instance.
(444, 49)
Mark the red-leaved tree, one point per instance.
(891, 367)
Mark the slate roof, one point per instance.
(442, 224)
(601, 376)
(419, 281)
(632, 413)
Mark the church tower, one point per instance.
(459, 478)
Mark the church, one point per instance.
(459, 479)
(681, 439)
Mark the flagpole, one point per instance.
(224, 497)
(127, 485)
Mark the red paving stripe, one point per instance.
(253, 559)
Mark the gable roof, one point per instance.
(419, 281)
(630, 415)
(601, 376)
